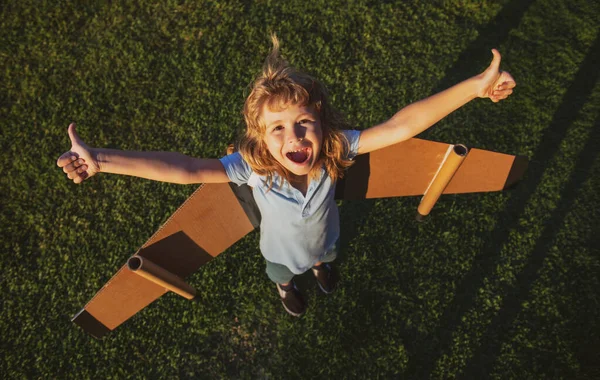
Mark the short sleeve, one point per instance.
(353, 136)
(236, 168)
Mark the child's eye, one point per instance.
(304, 121)
(277, 128)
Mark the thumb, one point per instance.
(495, 65)
(75, 139)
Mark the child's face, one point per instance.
(294, 137)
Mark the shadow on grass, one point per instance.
(492, 339)
(492, 36)
(425, 355)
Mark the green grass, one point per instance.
(496, 285)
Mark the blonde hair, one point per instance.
(278, 86)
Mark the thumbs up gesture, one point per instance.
(495, 84)
(80, 162)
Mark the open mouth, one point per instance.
(299, 156)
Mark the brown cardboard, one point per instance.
(122, 296)
(484, 171)
(160, 276)
(454, 158)
(407, 169)
(216, 216)
(207, 223)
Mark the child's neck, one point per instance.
(300, 183)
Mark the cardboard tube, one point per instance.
(160, 276)
(449, 166)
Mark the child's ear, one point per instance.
(230, 149)
(318, 106)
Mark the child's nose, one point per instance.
(296, 134)
(293, 138)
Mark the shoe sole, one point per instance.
(321, 287)
(285, 307)
(291, 312)
(325, 291)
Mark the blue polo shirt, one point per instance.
(295, 230)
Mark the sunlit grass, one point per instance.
(500, 285)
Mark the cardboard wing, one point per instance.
(216, 216)
(212, 219)
(421, 167)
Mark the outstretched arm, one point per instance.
(417, 117)
(82, 162)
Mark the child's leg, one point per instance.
(291, 298)
(279, 274)
(324, 271)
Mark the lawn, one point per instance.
(496, 285)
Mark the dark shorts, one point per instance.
(280, 274)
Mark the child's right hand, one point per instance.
(80, 162)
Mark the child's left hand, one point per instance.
(495, 84)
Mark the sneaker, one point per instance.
(292, 299)
(326, 277)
